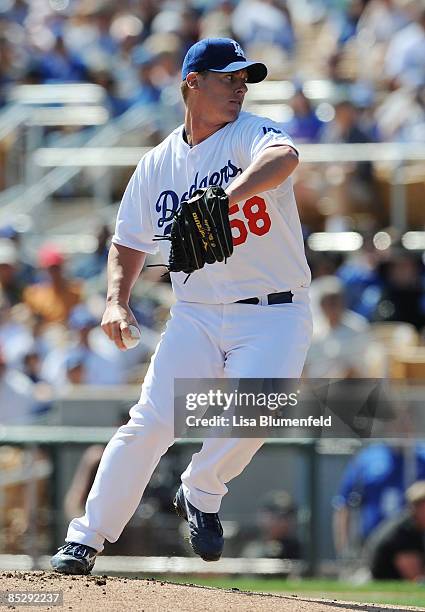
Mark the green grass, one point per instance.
(400, 593)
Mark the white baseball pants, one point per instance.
(200, 341)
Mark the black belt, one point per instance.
(284, 297)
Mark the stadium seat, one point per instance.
(395, 335)
(410, 365)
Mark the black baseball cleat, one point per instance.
(74, 558)
(206, 532)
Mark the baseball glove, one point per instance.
(200, 232)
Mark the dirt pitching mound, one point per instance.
(107, 594)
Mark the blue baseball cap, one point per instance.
(221, 55)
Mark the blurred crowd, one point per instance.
(367, 309)
(51, 306)
(370, 53)
(50, 335)
(368, 56)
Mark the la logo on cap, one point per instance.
(238, 49)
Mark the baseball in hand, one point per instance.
(130, 343)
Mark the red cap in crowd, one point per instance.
(49, 255)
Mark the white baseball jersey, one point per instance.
(268, 251)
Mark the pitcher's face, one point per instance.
(221, 95)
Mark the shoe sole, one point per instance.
(73, 570)
(207, 558)
(182, 514)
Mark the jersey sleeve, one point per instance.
(262, 133)
(134, 227)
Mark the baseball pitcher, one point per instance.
(216, 199)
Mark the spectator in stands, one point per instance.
(54, 298)
(189, 29)
(277, 525)
(10, 284)
(17, 402)
(322, 263)
(15, 336)
(372, 490)
(360, 277)
(26, 340)
(401, 115)
(347, 22)
(26, 271)
(90, 358)
(334, 72)
(380, 21)
(397, 549)
(405, 58)
(147, 92)
(168, 51)
(402, 296)
(358, 190)
(104, 364)
(88, 31)
(93, 264)
(31, 364)
(218, 21)
(340, 337)
(75, 370)
(59, 65)
(116, 105)
(345, 127)
(304, 126)
(16, 11)
(67, 363)
(120, 65)
(266, 22)
(8, 73)
(102, 18)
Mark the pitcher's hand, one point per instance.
(115, 322)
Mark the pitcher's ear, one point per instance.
(192, 80)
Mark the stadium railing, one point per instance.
(34, 108)
(31, 108)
